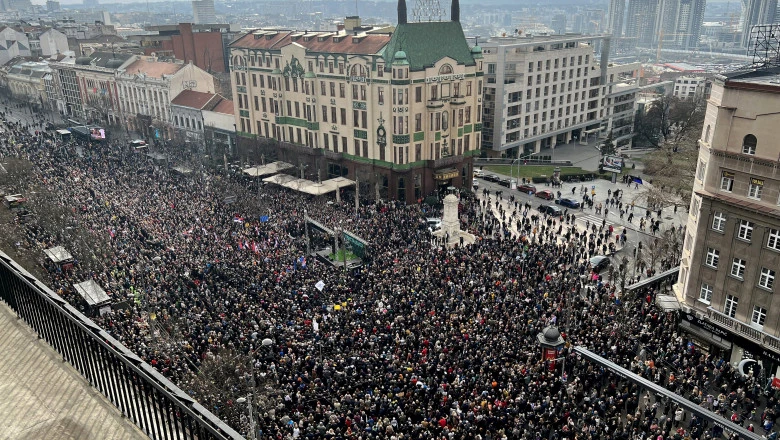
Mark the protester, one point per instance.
(419, 342)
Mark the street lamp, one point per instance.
(252, 431)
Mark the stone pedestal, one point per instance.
(450, 233)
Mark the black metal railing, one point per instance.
(157, 406)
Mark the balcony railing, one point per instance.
(743, 329)
(154, 404)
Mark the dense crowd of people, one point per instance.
(419, 342)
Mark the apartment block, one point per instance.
(731, 253)
(541, 91)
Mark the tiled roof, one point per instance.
(193, 99)
(428, 42)
(153, 68)
(324, 42)
(224, 106)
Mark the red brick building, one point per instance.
(203, 44)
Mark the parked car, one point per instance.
(505, 181)
(474, 182)
(569, 203)
(545, 194)
(599, 263)
(491, 177)
(551, 210)
(479, 173)
(527, 188)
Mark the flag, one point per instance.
(315, 325)
(112, 232)
(263, 218)
(238, 219)
(637, 180)
(320, 285)
(240, 245)
(302, 262)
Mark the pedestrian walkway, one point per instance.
(45, 398)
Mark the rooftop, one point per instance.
(224, 106)
(428, 42)
(324, 42)
(154, 69)
(755, 78)
(193, 99)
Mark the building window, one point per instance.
(738, 268)
(727, 181)
(719, 222)
(745, 230)
(713, 256)
(767, 278)
(759, 316)
(755, 188)
(773, 242)
(749, 144)
(700, 173)
(730, 308)
(705, 294)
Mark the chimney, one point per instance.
(455, 11)
(352, 22)
(339, 27)
(401, 11)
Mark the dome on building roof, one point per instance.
(400, 55)
(476, 49)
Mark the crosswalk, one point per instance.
(595, 219)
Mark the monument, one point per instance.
(450, 233)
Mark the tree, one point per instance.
(671, 126)
(670, 120)
(608, 147)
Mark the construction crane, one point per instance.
(661, 43)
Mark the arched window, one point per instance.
(445, 70)
(358, 71)
(749, 144)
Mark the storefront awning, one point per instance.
(704, 335)
(667, 303)
(445, 174)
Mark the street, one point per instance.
(587, 216)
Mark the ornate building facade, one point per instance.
(399, 109)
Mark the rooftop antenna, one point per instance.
(356, 8)
(765, 45)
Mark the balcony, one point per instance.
(743, 329)
(458, 100)
(434, 103)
